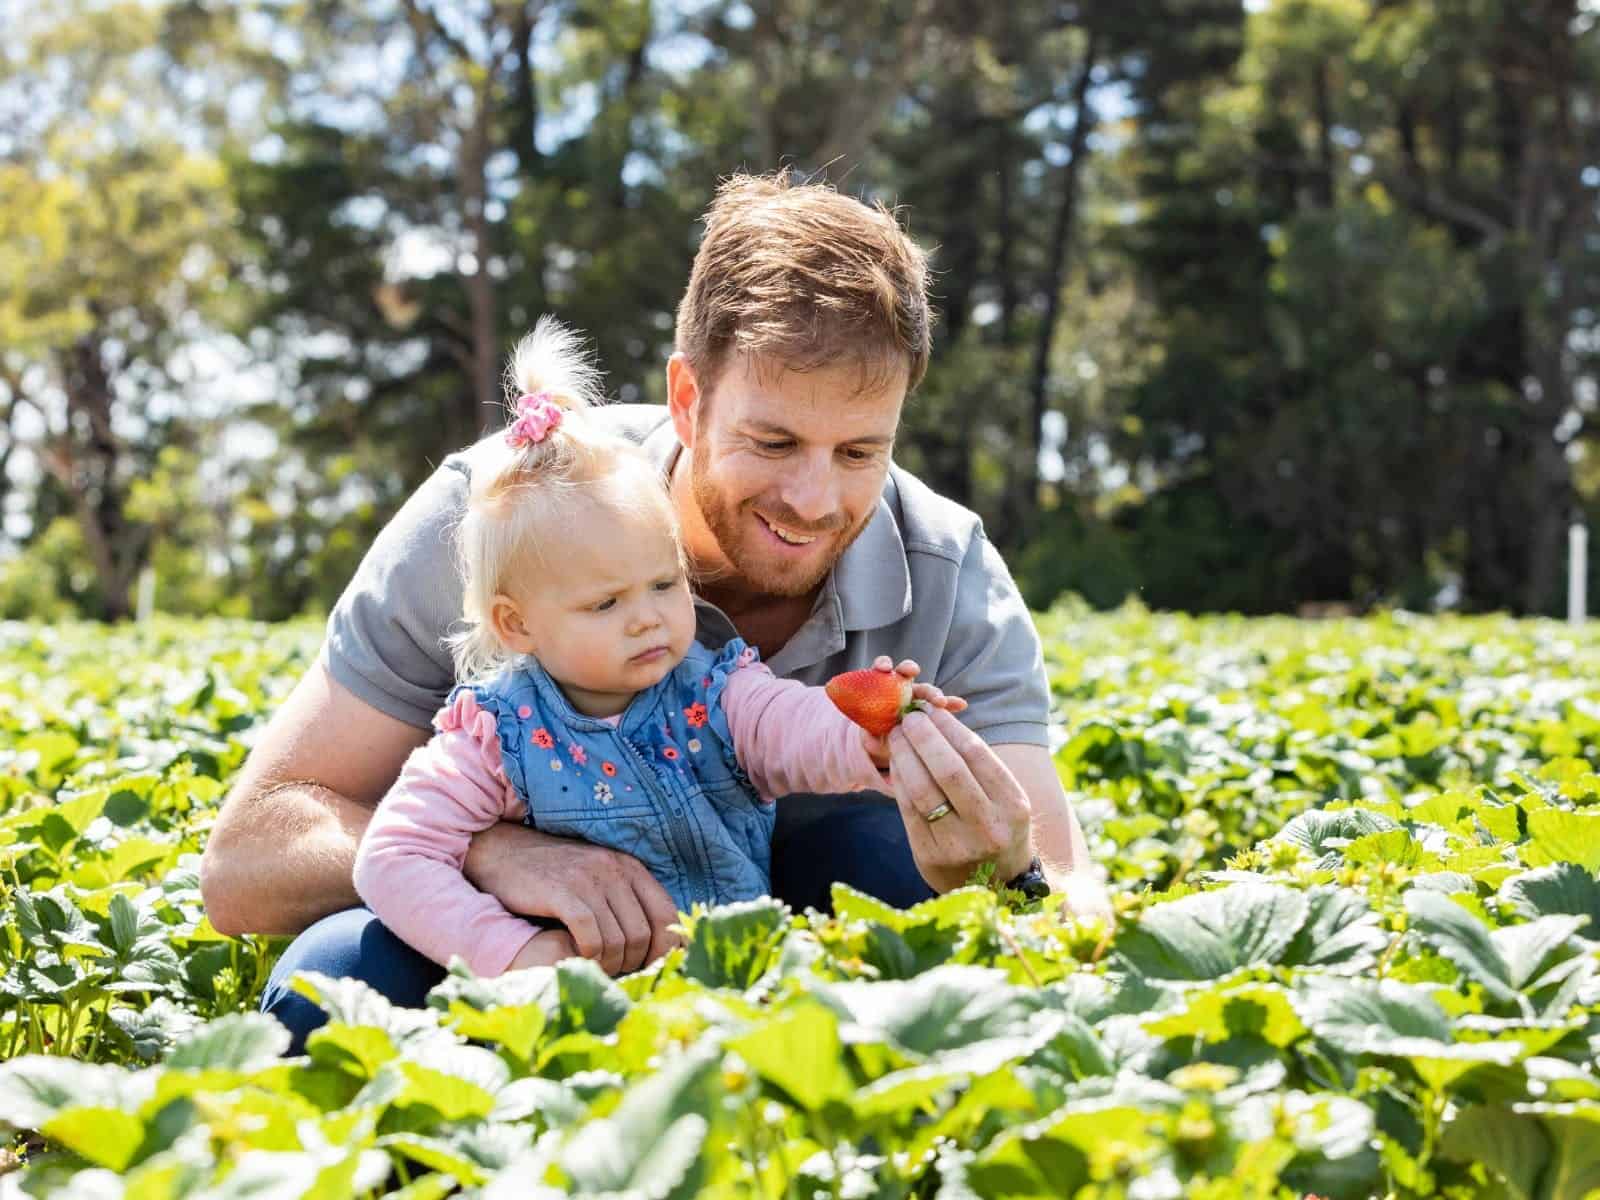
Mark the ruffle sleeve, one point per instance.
(464, 714)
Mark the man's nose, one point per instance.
(811, 491)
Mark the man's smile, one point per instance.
(788, 535)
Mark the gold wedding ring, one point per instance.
(935, 814)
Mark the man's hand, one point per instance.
(878, 747)
(613, 908)
(936, 760)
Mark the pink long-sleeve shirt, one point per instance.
(787, 737)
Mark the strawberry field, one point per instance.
(1355, 955)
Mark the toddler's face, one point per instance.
(611, 615)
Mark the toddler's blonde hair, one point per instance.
(520, 495)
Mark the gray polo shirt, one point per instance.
(921, 582)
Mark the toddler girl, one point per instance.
(587, 708)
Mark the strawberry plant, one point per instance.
(1356, 868)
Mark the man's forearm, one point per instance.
(1057, 836)
(280, 860)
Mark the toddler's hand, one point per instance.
(545, 949)
(878, 747)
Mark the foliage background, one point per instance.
(1242, 305)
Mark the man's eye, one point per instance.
(773, 447)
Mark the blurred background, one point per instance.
(1283, 305)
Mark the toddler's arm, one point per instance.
(408, 868)
(790, 738)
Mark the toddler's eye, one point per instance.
(607, 603)
(666, 585)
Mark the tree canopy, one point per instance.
(1246, 305)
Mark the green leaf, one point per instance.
(151, 1031)
(238, 1042)
(1560, 888)
(587, 999)
(1329, 1127)
(1253, 1010)
(1396, 848)
(1208, 935)
(1558, 835)
(124, 923)
(364, 1047)
(799, 1053)
(133, 858)
(1051, 1157)
(1573, 1130)
(1341, 933)
(1073, 1052)
(1360, 1016)
(1504, 961)
(732, 946)
(515, 1027)
(1321, 831)
(654, 1137)
(458, 1082)
(1464, 940)
(105, 1136)
(949, 1007)
(352, 1002)
(553, 1102)
(52, 919)
(33, 1089)
(437, 1154)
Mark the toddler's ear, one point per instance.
(505, 618)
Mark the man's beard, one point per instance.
(732, 534)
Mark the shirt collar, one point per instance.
(870, 586)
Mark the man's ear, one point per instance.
(505, 618)
(683, 398)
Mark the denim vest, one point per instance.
(662, 785)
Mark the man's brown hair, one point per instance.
(801, 274)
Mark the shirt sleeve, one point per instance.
(993, 658)
(385, 635)
(790, 738)
(408, 867)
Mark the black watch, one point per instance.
(1031, 883)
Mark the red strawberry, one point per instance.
(874, 700)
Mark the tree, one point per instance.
(112, 243)
(1372, 364)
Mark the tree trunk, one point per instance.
(1324, 183)
(525, 92)
(483, 398)
(525, 109)
(86, 460)
(1022, 496)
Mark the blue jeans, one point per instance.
(819, 840)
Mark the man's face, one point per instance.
(788, 467)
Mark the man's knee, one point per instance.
(352, 944)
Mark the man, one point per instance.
(804, 327)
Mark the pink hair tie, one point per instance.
(538, 416)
